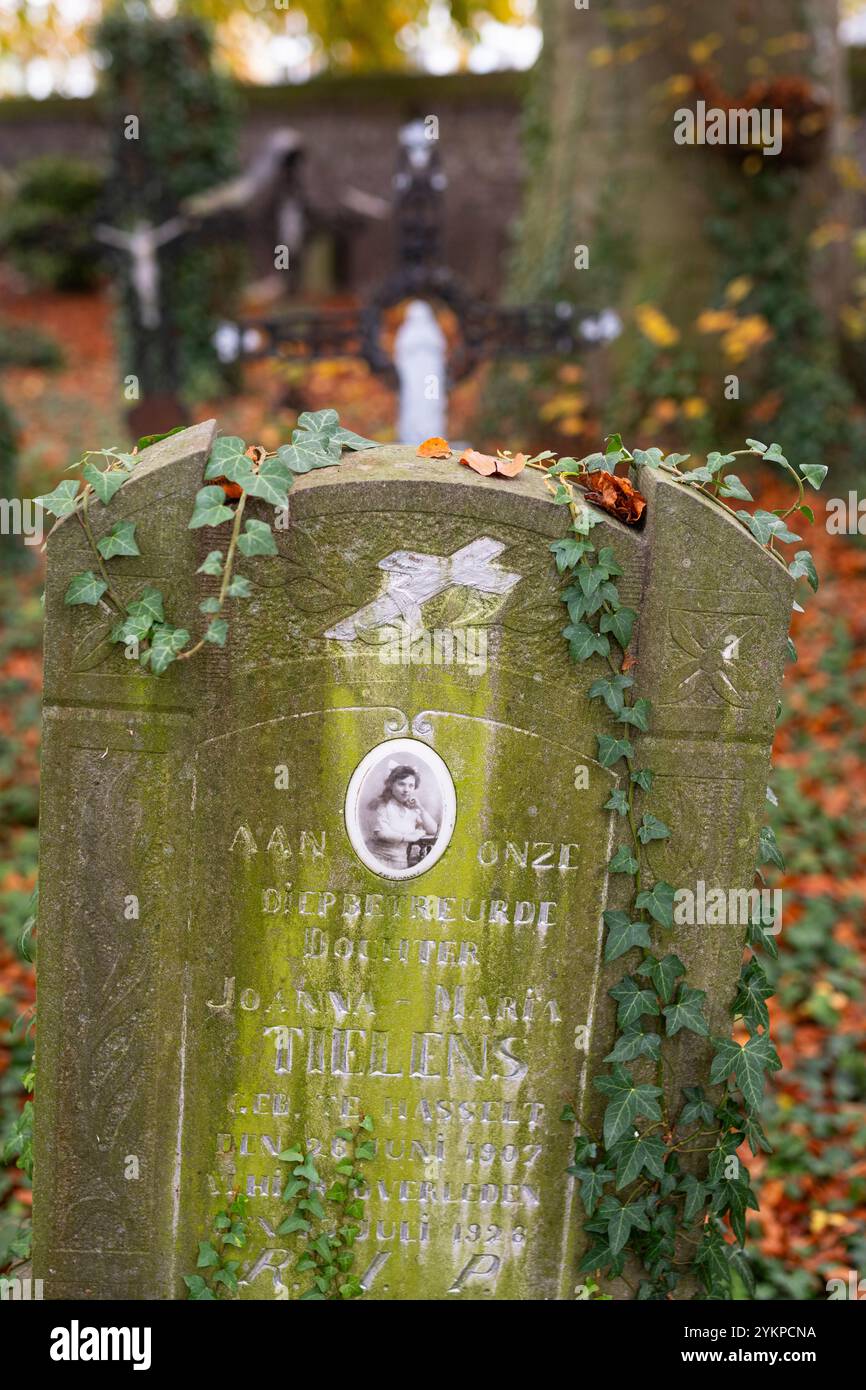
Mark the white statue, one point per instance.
(141, 244)
(420, 355)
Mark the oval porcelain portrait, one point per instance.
(400, 808)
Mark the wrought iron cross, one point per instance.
(487, 330)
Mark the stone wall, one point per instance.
(350, 127)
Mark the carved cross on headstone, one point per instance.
(414, 578)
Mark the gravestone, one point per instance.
(298, 955)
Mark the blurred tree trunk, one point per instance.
(673, 230)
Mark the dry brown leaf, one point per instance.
(615, 495)
(509, 468)
(434, 448)
(485, 464)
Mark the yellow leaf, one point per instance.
(827, 233)
(702, 50)
(849, 172)
(694, 408)
(656, 326)
(600, 57)
(715, 320)
(738, 289)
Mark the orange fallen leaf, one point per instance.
(485, 464)
(509, 468)
(434, 448)
(615, 495)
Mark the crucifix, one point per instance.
(421, 369)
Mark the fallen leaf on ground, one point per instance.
(434, 448)
(615, 495)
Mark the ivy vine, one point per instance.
(328, 1254)
(645, 1207)
(234, 471)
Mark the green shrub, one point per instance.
(46, 223)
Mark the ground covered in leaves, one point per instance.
(812, 1188)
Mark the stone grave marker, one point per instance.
(355, 863)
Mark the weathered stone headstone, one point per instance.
(366, 844)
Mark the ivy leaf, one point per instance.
(584, 643)
(644, 779)
(814, 473)
(292, 1224)
(636, 1152)
(754, 990)
(768, 848)
(756, 446)
(227, 457)
(623, 862)
(618, 801)
(803, 567)
(307, 1170)
(696, 1197)
(712, 1263)
(257, 539)
(607, 562)
(217, 632)
(747, 1064)
(166, 643)
(651, 828)
(697, 1108)
(209, 605)
(592, 1181)
(569, 552)
(62, 500)
(210, 508)
(105, 482)
(85, 588)
(271, 483)
(636, 714)
(687, 1011)
(308, 451)
(733, 487)
(212, 565)
(148, 606)
(239, 587)
(622, 934)
(619, 1229)
(611, 690)
(758, 935)
(633, 1043)
(664, 974)
(198, 1289)
(627, 1101)
(610, 750)
(207, 1256)
(319, 422)
(347, 439)
(119, 541)
(633, 1001)
(764, 524)
(621, 624)
(659, 903)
